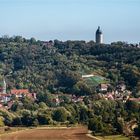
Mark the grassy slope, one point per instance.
(96, 80)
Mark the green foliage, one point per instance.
(42, 105)
(58, 68)
(1, 121)
(133, 106)
(17, 121)
(44, 119)
(83, 113)
(60, 114)
(29, 104)
(95, 124)
(82, 88)
(16, 106)
(137, 131)
(8, 117)
(46, 98)
(119, 125)
(131, 75)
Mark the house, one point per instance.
(4, 98)
(9, 104)
(134, 99)
(110, 96)
(76, 99)
(1, 105)
(56, 101)
(19, 93)
(121, 87)
(103, 87)
(32, 96)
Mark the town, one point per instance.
(104, 91)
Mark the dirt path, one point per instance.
(77, 133)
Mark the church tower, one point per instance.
(4, 87)
(99, 36)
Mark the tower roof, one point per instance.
(98, 30)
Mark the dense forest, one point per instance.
(55, 67)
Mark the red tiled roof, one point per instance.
(104, 85)
(1, 105)
(135, 99)
(4, 95)
(19, 91)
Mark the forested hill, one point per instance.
(57, 66)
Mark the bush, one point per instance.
(1, 121)
(95, 125)
(44, 119)
(137, 131)
(60, 115)
(17, 121)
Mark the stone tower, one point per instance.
(99, 36)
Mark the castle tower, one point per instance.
(99, 36)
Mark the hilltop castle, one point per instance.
(99, 36)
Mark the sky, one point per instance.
(71, 19)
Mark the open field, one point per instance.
(114, 137)
(44, 133)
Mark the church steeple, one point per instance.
(4, 86)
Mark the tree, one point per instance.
(8, 117)
(69, 78)
(131, 75)
(16, 106)
(27, 119)
(42, 105)
(18, 62)
(47, 98)
(35, 122)
(95, 124)
(119, 125)
(44, 119)
(82, 88)
(137, 131)
(18, 39)
(1, 121)
(60, 114)
(32, 40)
(132, 106)
(83, 114)
(17, 121)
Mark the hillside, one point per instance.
(58, 66)
(69, 83)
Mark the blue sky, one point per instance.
(71, 19)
